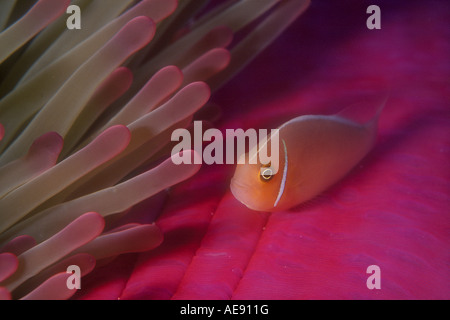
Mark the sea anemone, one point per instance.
(86, 117)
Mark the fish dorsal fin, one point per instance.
(364, 113)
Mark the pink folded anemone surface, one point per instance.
(87, 179)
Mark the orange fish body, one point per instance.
(315, 152)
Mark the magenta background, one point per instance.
(392, 210)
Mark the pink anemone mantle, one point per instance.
(391, 211)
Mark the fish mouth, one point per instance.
(235, 187)
(235, 182)
(239, 191)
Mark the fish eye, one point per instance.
(266, 174)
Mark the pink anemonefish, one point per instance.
(315, 152)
